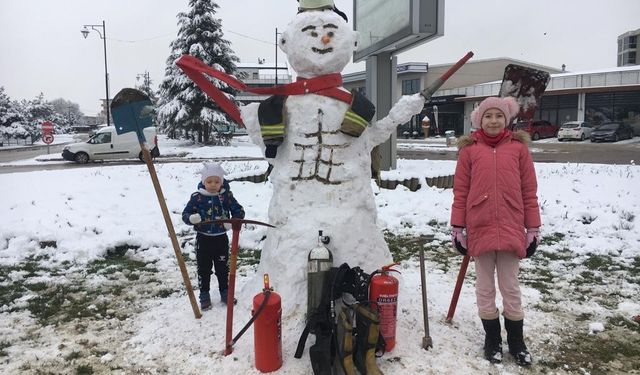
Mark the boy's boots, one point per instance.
(492, 340)
(515, 339)
(205, 300)
(367, 332)
(224, 293)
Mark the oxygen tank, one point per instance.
(319, 263)
(383, 292)
(267, 329)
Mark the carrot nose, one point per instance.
(325, 39)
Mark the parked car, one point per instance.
(611, 131)
(107, 144)
(575, 130)
(538, 129)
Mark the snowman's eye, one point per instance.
(314, 34)
(330, 34)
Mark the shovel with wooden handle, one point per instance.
(458, 287)
(131, 110)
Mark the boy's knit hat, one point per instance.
(507, 105)
(211, 169)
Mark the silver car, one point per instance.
(575, 130)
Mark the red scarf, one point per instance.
(195, 69)
(492, 140)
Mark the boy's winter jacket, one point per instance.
(495, 194)
(212, 207)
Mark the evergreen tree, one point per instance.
(12, 120)
(67, 112)
(184, 108)
(38, 111)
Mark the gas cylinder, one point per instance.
(319, 263)
(267, 329)
(383, 292)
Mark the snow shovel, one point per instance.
(526, 85)
(131, 110)
(427, 92)
(426, 340)
(236, 224)
(456, 290)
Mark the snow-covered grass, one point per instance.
(89, 282)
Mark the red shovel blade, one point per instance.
(526, 85)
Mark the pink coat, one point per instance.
(495, 194)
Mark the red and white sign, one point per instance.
(47, 138)
(47, 127)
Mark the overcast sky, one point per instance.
(42, 49)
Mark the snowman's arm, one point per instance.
(401, 112)
(249, 114)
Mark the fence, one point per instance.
(6, 142)
(413, 184)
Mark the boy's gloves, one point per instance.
(227, 226)
(195, 218)
(459, 240)
(532, 240)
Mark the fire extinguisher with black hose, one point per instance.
(267, 329)
(383, 293)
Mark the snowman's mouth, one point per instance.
(322, 51)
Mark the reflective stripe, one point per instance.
(277, 129)
(350, 115)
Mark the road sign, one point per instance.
(47, 138)
(47, 127)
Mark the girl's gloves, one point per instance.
(195, 219)
(459, 240)
(532, 240)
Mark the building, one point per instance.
(261, 74)
(594, 96)
(628, 48)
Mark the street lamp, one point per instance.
(103, 36)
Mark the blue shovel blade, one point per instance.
(131, 111)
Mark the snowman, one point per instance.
(319, 143)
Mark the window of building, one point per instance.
(410, 86)
(618, 106)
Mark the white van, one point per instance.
(107, 144)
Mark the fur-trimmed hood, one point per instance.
(520, 136)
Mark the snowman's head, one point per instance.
(318, 42)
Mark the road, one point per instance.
(543, 151)
(554, 152)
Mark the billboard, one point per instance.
(395, 25)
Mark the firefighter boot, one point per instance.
(492, 340)
(515, 339)
(344, 335)
(367, 333)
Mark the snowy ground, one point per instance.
(89, 282)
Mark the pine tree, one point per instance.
(38, 111)
(184, 108)
(12, 120)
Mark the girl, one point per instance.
(495, 218)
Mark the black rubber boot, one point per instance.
(515, 339)
(492, 340)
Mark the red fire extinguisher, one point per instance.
(267, 329)
(383, 292)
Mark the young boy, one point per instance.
(212, 201)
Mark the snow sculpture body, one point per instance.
(321, 177)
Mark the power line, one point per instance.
(169, 34)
